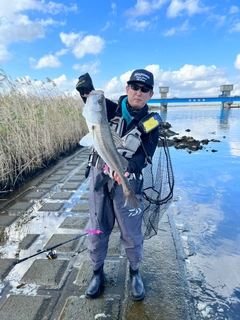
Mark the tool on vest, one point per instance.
(150, 122)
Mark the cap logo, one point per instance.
(141, 77)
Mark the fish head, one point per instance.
(94, 109)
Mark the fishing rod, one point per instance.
(52, 253)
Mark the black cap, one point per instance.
(142, 76)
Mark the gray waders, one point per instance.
(105, 206)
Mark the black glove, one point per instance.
(84, 85)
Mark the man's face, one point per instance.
(136, 98)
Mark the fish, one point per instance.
(102, 138)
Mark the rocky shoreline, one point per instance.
(185, 142)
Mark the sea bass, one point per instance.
(100, 136)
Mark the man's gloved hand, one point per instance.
(84, 85)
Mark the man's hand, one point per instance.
(117, 178)
(84, 86)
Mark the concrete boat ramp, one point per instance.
(52, 209)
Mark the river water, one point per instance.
(207, 206)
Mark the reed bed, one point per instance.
(38, 124)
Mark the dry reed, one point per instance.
(38, 124)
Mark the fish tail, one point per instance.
(130, 200)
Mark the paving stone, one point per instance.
(78, 308)
(63, 172)
(23, 307)
(6, 265)
(62, 195)
(57, 177)
(74, 223)
(35, 195)
(21, 206)
(6, 221)
(83, 157)
(51, 206)
(46, 272)
(111, 271)
(85, 196)
(81, 171)
(75, 162)
(27, 241)
(76, 178)
(81, 207)
(46, 186)
(70, 166)
(71, 246)
(71, 186)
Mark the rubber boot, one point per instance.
(95, 286)
(137, 287)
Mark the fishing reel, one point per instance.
(52, 255)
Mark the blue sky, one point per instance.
(192, 46)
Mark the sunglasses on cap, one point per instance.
(136, 87)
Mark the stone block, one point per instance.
(48, 273)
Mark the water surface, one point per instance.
(207, 203)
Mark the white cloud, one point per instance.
(4, 54)
(28, 31)
(114, 7)
(82, 45)
(12, 9)
(177, 30)
(144, 7)
(107, 25)
(16, 25)
(191, 7)
(60, 81)
(89, 44)
(61, 52)
(234, 9)
(138, 25)
(70, 39)
(235, 28)
(237, 62)
(91, 67)
(190, 81)
(47, 61)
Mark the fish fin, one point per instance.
(131, 201)
(87, 140)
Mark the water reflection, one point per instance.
(207, 193)
(163, 114)
(224, 115)
(235, 148)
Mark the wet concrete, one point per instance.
(52, 209)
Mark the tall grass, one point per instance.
(37, 125)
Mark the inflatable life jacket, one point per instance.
(129, 143)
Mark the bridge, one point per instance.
(223, 100)
(225, 97)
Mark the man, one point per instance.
(106, 194)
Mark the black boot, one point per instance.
(137, 287)
(95, 286)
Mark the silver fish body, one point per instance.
(101, 138)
